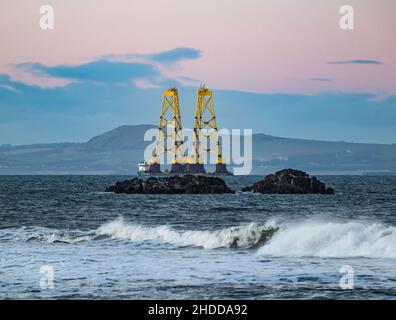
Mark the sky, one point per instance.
(281, 67)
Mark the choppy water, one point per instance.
(102, 245)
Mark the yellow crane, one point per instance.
(206, 140)
(170, 139)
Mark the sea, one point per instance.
(63, 237)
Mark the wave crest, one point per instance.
(333, 239)
(235, 237)
(299, 239)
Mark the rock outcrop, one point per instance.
(187, 184)
(289, 181)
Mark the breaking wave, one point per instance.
(298, 239)
(247, 236)
(61, 237)
(236, 237)
(332, 239)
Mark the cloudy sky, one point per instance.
(276, 66)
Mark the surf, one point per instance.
(305, 238)
(247, 236)
(332, 239)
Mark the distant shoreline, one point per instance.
(118, 152)
(105, 173)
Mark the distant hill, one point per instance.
(323, 156)
(121, 138)
(118, 151)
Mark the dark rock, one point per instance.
(187, 184)
(289, 181)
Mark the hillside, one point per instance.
(121, 138)
(118, 151)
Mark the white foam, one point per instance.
(246, 235)
(298, 239)
(55, 237)
(332, 239)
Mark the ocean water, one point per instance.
(63, 237)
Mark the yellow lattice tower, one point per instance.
(170, 134)
(206, 138)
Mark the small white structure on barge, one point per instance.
(143, 168)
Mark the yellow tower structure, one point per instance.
(205, 137)
(170, 139)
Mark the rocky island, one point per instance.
(289, 181)
(187, 184)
